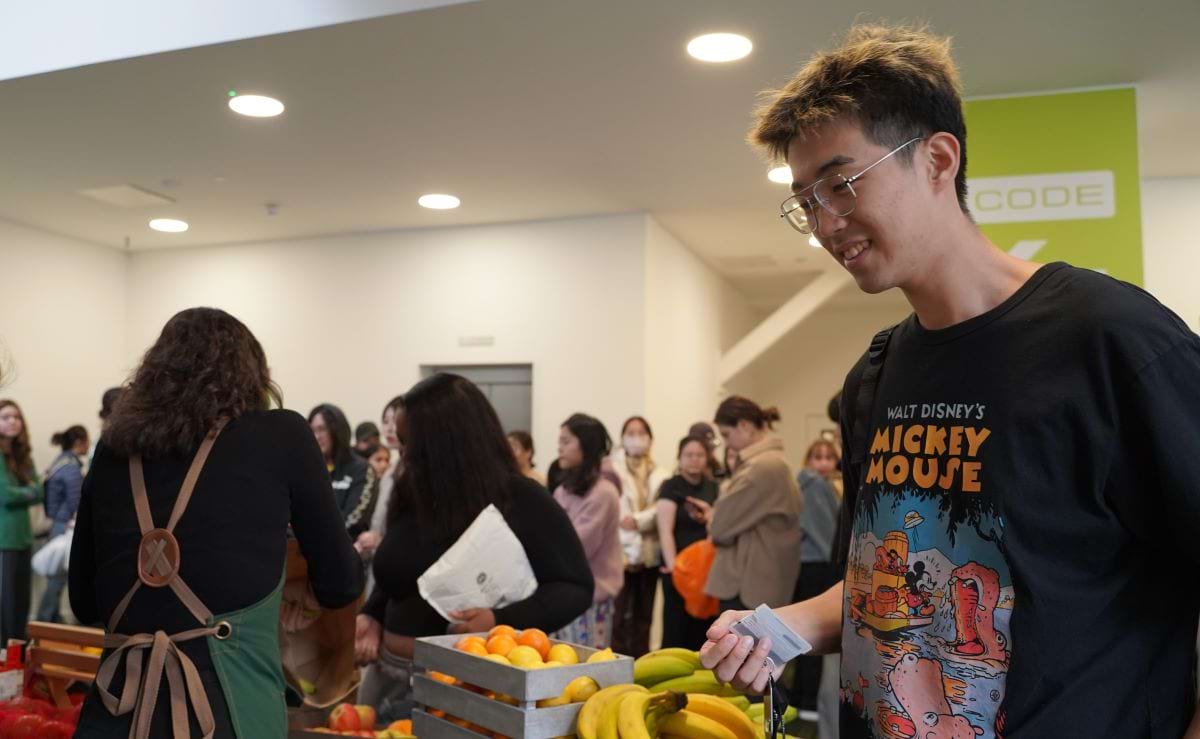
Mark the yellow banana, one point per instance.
(740, 702)
(589, 716)
(723, 712)
(687, 655)
(639, 711)
(656, 668)
(694, 726)
(607, 726)
(701, 681)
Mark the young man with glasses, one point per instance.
(1022, 454)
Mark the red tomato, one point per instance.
(29, 726)
(57, 730)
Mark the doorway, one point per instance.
(509, 387)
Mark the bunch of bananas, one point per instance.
(633, 712)
(673, 697)
(679, 670)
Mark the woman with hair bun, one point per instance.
(755, 525)
(64, 481)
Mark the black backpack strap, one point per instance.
(865, 400)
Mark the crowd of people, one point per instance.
(372, 511)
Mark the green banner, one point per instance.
(1055, 177)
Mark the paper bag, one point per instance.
(486, 568)
(321, 655)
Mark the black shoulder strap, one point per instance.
(865, 400)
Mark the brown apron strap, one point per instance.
(140, 694)
(138, 483)
(140, 502)
(191, 600)
(189, 482)
(119, 611)
(141, 697)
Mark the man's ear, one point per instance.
(943, 157)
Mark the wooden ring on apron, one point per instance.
(158, 558)
(224, 631)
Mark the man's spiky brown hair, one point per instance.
(896, 82)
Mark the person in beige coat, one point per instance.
(755, 524)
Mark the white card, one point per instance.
(786, 644)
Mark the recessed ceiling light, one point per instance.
(719, 47)
(782, 175)
(169, 225)
(812, 241)
(255, 106)
(438, 202)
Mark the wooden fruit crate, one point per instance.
(522, 721)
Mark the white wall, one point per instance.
(62, 336)
(692, 315)
(803, 371)
(1172, 251)
(350, 319)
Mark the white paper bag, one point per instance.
(486, 568)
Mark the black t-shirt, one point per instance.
(678, 490)
(1022, 554)
(541, 525)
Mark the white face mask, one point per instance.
(636, 446)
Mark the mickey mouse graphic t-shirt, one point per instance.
(1023, 549)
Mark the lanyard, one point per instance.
(774, 704)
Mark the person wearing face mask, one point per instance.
(755, 524)
(640, 481)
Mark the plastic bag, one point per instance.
(486, 568)
(53, 558)
(689, 576)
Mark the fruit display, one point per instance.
(28, 717)
(541, 682)
(347, 719)
(676, 699)
(666, 693)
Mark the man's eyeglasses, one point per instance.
(835, 194)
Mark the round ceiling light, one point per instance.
(169, 225)
(437, 201)
(255, 106)
(719, 47)
(782, 175)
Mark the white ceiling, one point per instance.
(528, 109)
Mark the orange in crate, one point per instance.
(502, 629)
(537, 639)
(463, 643)
(501, 644)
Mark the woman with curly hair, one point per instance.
(19, 489)
(181, 540)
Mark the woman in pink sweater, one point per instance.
(593, 504)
